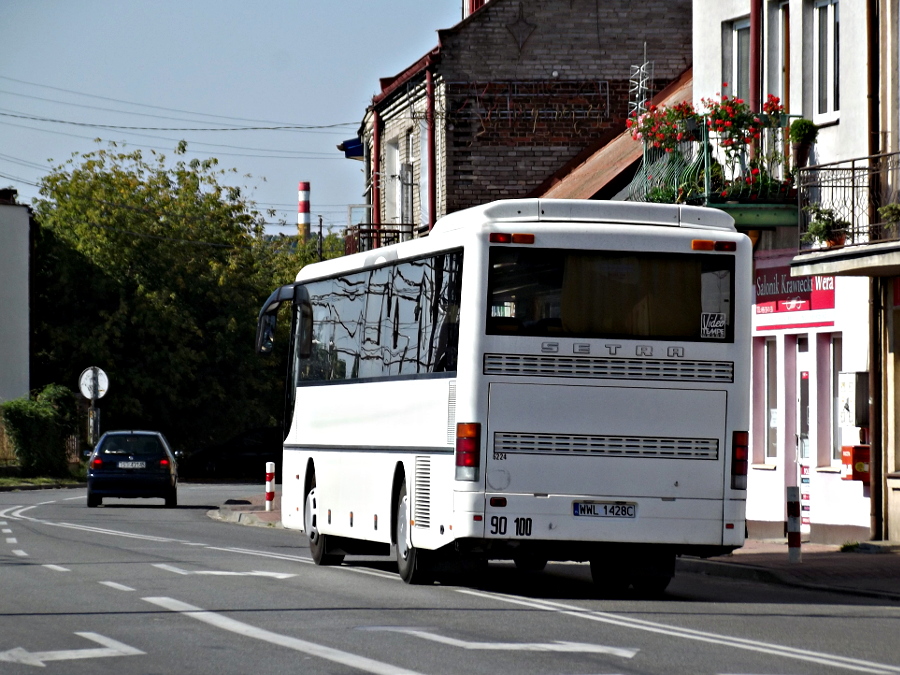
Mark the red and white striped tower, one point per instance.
(303, 210)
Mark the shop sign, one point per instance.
(777, 291)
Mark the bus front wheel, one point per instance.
(411, 562)
(317, 540)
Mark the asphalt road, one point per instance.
(133, 587)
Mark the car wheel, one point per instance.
(172, 498)
(93, 500)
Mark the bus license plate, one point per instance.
(132, 465)
(605, 509)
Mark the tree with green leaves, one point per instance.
(155, 273)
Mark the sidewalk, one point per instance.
(871, 571)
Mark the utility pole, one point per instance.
(320, 238)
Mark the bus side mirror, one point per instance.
(268, 318)
(265, 333)
(304, 322)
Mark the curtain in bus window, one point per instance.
(556, 292)
(629, 296)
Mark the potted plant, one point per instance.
(824, 227)
(890, 217)
(803, 134)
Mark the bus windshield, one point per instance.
(610, 294)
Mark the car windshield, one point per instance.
(132, 444)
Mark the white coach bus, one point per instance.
(535, 380)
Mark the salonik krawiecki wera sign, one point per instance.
(777, 291)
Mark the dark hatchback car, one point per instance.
(132, 464)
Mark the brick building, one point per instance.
(515, 91)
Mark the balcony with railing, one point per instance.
(851, 203)
(368, 236)
(727, 157)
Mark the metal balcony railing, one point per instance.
(701, 170)
(860, 196)
(367, 237)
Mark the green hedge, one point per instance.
(38, 428)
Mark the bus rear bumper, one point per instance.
(681, 523)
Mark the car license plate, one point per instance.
(132, 465)
(605, 509)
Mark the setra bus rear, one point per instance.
(612, 386)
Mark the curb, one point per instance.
(242, 518)
(752, 573)
(29, 488)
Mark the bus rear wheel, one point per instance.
(317, 541)
(411, 562)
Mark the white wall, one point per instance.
(14, 313)
(844, 140)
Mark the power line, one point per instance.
(127, 112)
(319, 156)
(19, 180)
(24, 162)
(143, 105)
(128, 128)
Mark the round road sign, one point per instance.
(86, 383)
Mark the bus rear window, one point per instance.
(610, 294)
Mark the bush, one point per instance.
(803, 131)
(38, 428)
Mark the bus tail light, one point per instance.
(468, 451)
(740, 456)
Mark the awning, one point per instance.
(352, 148)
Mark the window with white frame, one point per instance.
(783, 85)
(740, 59)
(836, 365)
(826, 58)
(391, 182)
(771, 398)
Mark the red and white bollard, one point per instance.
(270, 485)
(793, 524)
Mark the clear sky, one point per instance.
(201, 64)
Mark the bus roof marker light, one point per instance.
(507, 238)
(710, 245)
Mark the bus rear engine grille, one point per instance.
(606, 446)
(606, 368)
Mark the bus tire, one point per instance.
(411, 562)
(651, 577)
(528, 562)
(610, 579)
(318, 544)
